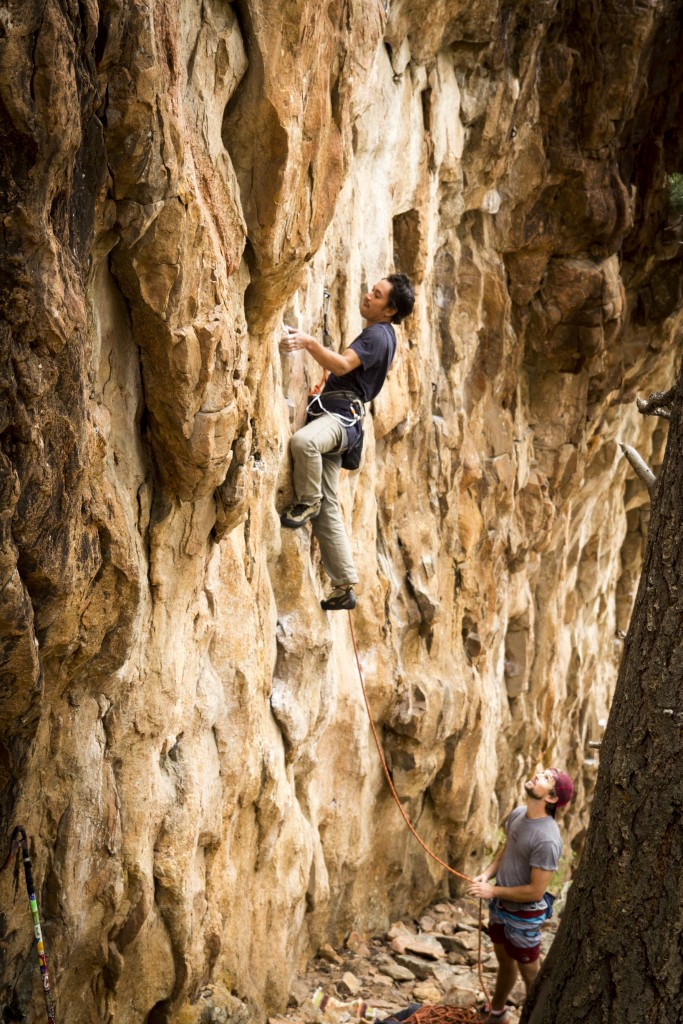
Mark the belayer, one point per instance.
(518, 900)
(333, 434)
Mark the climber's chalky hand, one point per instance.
(295, 340)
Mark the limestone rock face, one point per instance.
(181, 727)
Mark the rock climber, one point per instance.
(522, 869)
(334, 426)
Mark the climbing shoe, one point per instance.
(485, 1013)
(298, 515)
(339, 599)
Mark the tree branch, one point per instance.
(639, 465)
(658, 404)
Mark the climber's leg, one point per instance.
(329, 530)
(323, 434)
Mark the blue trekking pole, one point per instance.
(22, 844)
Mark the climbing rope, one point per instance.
(427, 1014)
(22, 844)
(443, 1015)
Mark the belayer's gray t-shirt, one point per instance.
(531, 843)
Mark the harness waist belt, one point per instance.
(356, 406)
(350, 396)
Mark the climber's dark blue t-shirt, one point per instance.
(375, 347)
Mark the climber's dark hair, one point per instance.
(401, 297)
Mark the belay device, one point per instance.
(20, 842)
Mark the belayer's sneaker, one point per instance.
(339, 599)
(298, 515)
(485, 1013)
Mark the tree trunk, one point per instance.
(618, 955)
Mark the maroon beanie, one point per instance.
(564, 787)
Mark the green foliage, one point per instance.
(565, 871)
(497, 843)
(675, 187)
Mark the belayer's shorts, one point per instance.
(519, 936)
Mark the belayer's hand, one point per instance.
(483, 890)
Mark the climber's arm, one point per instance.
(335, 362)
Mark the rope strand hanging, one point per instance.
(428, 1014)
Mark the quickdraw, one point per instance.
(327, 343)
(327, 339)
(20, 842)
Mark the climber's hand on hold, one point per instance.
(484, 890)
(333, 362)
(295, 340)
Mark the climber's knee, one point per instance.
(301, 446)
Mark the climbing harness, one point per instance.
(521, 926)
(427, 1014)
(350, 402)
(22, 844)
(316, 408)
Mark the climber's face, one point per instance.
(374, 306)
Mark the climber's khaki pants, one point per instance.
(316, 452)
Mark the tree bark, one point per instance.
(618, 954)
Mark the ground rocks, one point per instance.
(385, 987)
(424, 945)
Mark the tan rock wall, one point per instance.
(182, 727)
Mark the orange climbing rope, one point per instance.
(427, 1014)
(443, 1015)
(395, 795)
(318, 387)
